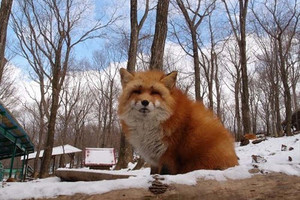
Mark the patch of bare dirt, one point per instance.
(259, 187)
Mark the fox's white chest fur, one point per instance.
(146, 135)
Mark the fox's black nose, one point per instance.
(145, 103)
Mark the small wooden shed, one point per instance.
(57, 152)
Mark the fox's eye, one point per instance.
(136, 92)
(154, 92)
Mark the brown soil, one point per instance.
(259, 187)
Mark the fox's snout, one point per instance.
(144, 105)
(145, 102)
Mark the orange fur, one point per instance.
(11, 180)
(176, 133)
(250, 136)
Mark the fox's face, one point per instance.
(146, 96)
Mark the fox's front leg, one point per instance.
(164, 170)
(154, 170)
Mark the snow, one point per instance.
(51, 187)
(269, 150)
(99, 156)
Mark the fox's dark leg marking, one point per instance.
(154, 170)
(164, 170)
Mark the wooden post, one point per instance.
(13, 158)
(53, 166)
(23, 164)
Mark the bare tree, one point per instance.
(193, 18)
(5, 11)
(268, 86)
(80, 124)
(210, 64)
(280, 21)
(254, 97)
(8, 88)
(37, 115)
(134, 32)
(160, 35)
(72, 92)
(239, 30)
(295, 76)
(270, 80)
(232, 58)
(51, 26)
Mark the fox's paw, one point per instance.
(157, 186)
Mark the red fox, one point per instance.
(171, 132)
(250, 136)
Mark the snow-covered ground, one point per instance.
(270, 155)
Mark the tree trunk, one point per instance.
(218, 88)
(275, 87)
(196, 67)
(241, 40)
(295, 105)
(62, 161)
(36, 162)
(125, 154)
(193, 25)
(278, 131)
(52, 121)
(237, 108)
(134, 34)
(268, 117)
(5, 11)
(286, 88)
(243, 60)
(50, 138)
(140, 164)
(160, 35)
(210, 81)
(295, 100)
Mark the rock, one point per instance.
(258, 159)
(244, 142)
(291, 148)
(255, 166)
(290, 159)
(254, 171)
(258, 141)
(283, 147)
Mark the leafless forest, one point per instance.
(241, 58)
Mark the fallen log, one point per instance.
(73, 175)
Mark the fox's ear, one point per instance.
(126, 76)
(170, 79)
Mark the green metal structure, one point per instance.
(14, 141)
